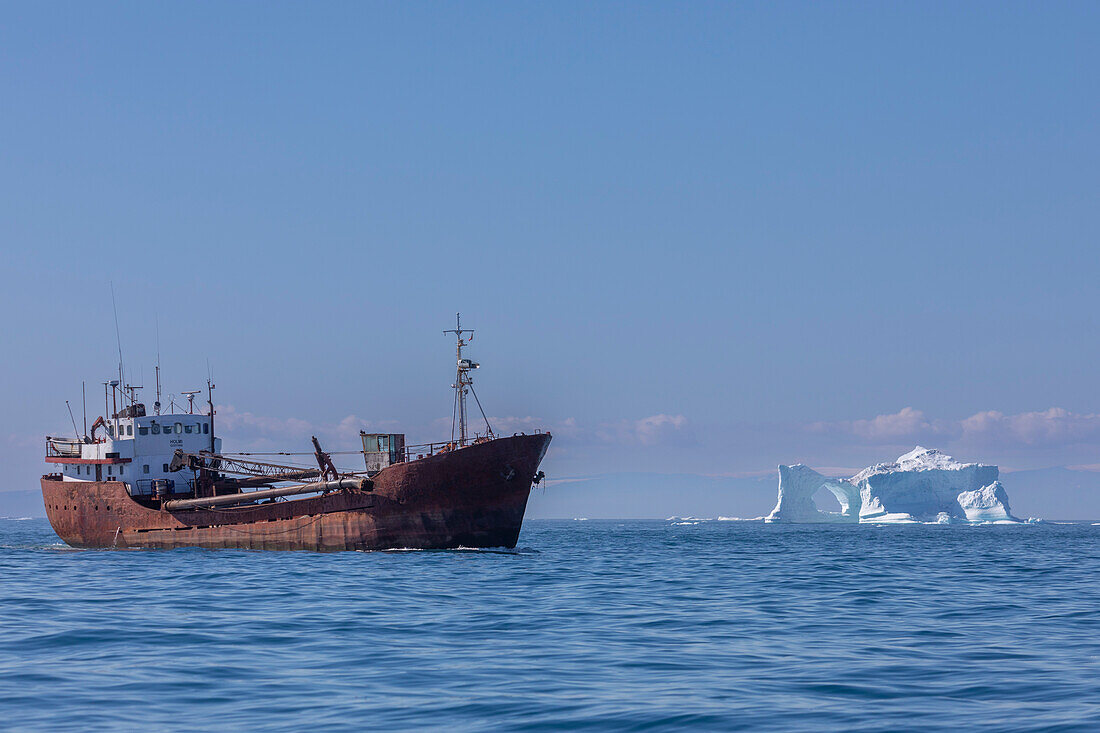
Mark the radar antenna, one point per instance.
(464, 383)
(191, 400)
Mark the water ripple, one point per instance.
(590, 626)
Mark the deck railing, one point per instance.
(423, 450)
(62, 447)
(161, 487)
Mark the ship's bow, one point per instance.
(472, 497)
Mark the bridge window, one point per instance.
(120, 471)
(179, 428)
(205, 428)
(129, 429)
(109, 470)
(142, 430)
(187, 429)
(145, 468)
(111, 430)
(166, 468)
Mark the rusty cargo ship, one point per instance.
(161, 481)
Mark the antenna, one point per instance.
(133, 394)
(114, 401)
(463, 384)
(191, 400)
(118, 337)
(210, 402)
(73, 419)
(84, 401)
(156, 405)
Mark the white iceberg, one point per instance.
(987, 504)
(924, 485)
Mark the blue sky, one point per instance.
(693, 237)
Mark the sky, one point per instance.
(693, 238)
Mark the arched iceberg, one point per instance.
(924, 485)
(797, 486)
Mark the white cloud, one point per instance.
(1055, 427)
(234, 422)
(906, 425)
(651, 430)
(248, 430)
(513, 424)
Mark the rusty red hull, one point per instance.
(473, 497)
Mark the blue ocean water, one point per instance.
(588, 625)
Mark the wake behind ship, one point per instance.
(161, 481)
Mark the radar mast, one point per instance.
(464, 384)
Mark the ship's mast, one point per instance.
(114, 402)
(132, 389)
(156, 405)
(210, 404)
(463, 385)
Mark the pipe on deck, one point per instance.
(344, 483)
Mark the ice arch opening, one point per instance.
(797, 486)
(829, 501)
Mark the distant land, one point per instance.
(1049, 493)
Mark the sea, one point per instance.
(586, 625)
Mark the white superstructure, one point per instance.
(135, 450)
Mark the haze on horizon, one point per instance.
(696, 239)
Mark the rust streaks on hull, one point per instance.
(473, 497)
